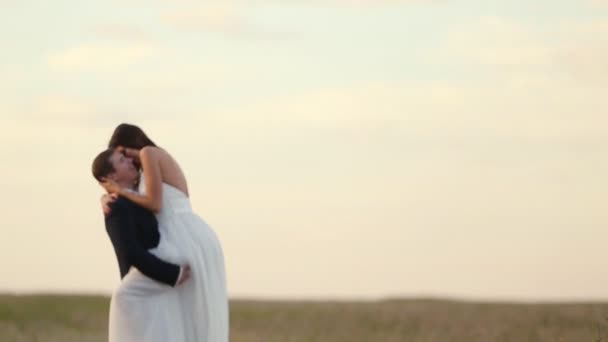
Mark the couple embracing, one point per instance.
(173, 286)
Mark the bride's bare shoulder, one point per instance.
(152, 151)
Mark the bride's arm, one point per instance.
(153, 199)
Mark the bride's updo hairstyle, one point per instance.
(130, 136)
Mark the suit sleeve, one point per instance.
(120, 226)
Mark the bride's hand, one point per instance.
(186, 274)
(128, 152)
(111, 186)
(106, 200)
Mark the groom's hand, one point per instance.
(106, 200)
(185, 275)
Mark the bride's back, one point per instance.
(171, 172)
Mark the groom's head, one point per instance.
(114, 165)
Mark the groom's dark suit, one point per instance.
(133, 230)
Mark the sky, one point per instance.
(340, 149)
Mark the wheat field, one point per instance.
(63, 318)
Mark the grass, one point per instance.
(50, 318)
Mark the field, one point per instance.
(56, 318)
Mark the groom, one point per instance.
(132, 229)
(137, 304)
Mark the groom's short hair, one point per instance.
(102, 166)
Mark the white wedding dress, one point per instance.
(143, 310)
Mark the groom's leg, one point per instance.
(139, 310)
(126, 318)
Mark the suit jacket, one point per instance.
(133, 230)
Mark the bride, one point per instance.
(185, 239)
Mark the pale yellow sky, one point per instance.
(338, 149)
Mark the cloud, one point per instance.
(522, 51)
(228, 19)
(584, 52)
(435, 111)
(372, 3)
(343, 3)
(47, 121)
(121, 32)
(494, 41)
(234, 19)
(221, 17)
(596, 3)
(100, 57)
(175, 79)
(8, 4)
(58, 109)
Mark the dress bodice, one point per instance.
(174, 200)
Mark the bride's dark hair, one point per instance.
(131, 136)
